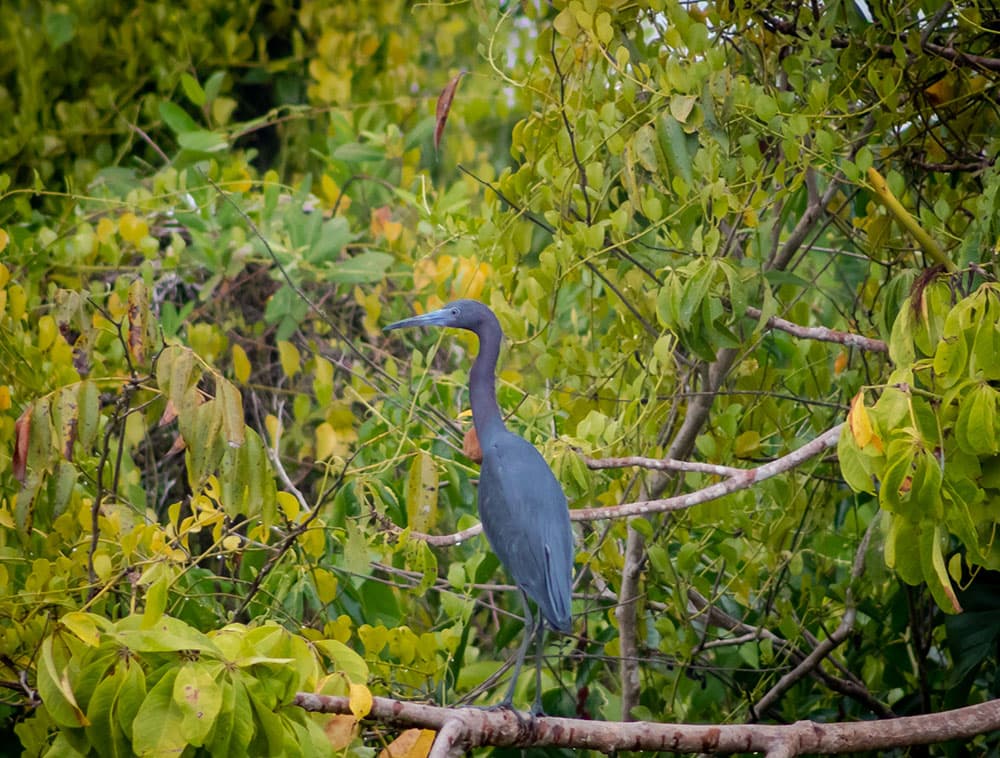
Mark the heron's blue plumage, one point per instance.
(521, 505)
(526, 520)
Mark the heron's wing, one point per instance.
(526, 520)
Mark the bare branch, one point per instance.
(822, 333)
(461, 729)
(660, 464)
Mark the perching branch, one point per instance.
(822, 333)
(743, 479)
(461, 729)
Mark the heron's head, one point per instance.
(460, 314)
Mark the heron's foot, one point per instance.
(537, 709)
(508, 705)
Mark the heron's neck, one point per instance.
(482, 385)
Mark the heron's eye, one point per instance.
(454, 311)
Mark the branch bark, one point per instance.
(461, 729)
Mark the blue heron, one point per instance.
(521, 505)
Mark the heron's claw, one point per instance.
(508, 705)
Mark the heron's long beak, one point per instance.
(434, 318)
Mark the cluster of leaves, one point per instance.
(151, 685)
(929, 446)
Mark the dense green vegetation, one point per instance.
(218, 475)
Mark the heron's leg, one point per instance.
(536, 707)
(529, 627)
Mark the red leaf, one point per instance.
(444, 107)
(22, 432)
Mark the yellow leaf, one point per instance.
(4, 240)
(105, 230)
(326, 441)
(290, 359)
(132, 228)
(860, 424)
(360, 700)
(289, 505)
(313, 541)
(4, 397)
(47, 331)
(242, 182)
(326, 585)
(382, 224)
(84, 626)
(413, 743)
(102, 566)
(332, 195)
(273, 426)
(231, 543)
(241, 364)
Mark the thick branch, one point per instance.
(466, 728)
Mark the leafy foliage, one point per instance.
(217, 476)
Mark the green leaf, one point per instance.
(422, 493)
(902, 549)
(156, 602)
(346, 660)
(855, 466)
(177, 118)
(363, 268)
(329, 241)
(193, 90)
(355, 152)
(166, 635)
(54, 683)
(60, 28)
(202, 141)
(198, 695)
(89, 415)
(678, 148)
(231, 404)
(105, 730)
(935, 571)
(976, 426)
(214, 85)
(158, 726)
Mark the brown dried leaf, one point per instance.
(340, 731)
(444, 108)
(178, 446)
(22, 433)
(413, 743)
(138, 311)
(169, 413)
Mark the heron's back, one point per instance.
(526, 520)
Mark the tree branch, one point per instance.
(461, 729)
(821, 333)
